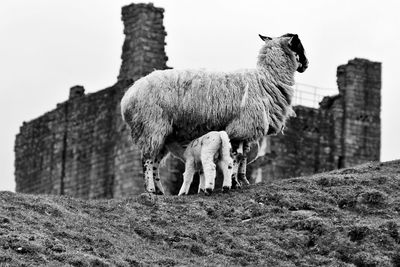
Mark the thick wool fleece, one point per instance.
(182, 105)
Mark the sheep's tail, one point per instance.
(226, 146)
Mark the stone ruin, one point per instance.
(83, 149)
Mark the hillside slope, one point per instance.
(341, 218)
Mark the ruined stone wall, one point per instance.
(71, 150)
(296, 151)
(39, 153)
(89, 146)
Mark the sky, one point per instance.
(48, 46)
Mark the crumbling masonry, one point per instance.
(83, 149)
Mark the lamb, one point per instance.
(200, 155)
(180, 105)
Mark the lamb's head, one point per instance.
(292, 44)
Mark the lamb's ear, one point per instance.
(264, 38)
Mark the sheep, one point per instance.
(181, 105)
(199, 156)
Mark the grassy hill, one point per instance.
(342, 218)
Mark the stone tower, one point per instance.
(143, 49)
(359, 83)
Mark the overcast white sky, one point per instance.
(47, 46)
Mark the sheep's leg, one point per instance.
(187, 177)
(235, 155)
(235, 181)
(243, 164)
(258, 176)
(151, 142)
(202, 182)
(159, 190)
(152, 175)
(148, 171)
(242, 171)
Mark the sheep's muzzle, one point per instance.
(302, 67)
(302, 62)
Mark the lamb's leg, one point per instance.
(187, 177)
(226, 165)
(243, 164)
(147, 164)
(202, 182)
(207, 161)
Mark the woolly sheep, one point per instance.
(181, 105)
(200, 155)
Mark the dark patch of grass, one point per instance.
(373, 198)
(358, 233)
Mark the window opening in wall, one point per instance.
(341, 162)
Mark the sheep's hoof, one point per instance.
(236, 184)
(208, 192)
(147, 199)
(242, 177)
(225, 189)
(158, 191)
(201, 191)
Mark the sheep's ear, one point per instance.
(293, 41)
(264, 38)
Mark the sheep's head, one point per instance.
(293, 42)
